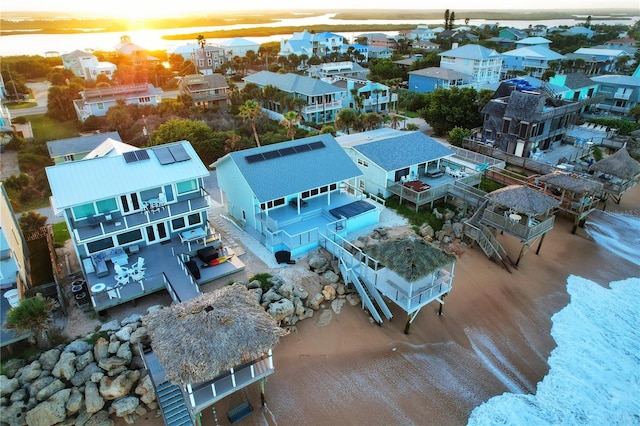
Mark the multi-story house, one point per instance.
(621, 93)
(238, 47)
(207, 59)
(521, 118)
(330, 71)
(86, 65)
(579, 30)
(306, 43)
(532, 59)
(380, 52)
(482, 64)
(598, 60)
(426, 45)
(322, 100)
(380, 40)
(137, 53)
(512, 33)
(147, 203)
(537, 31)
(98, 101)
(75, 149)
(419, 33)
(369, 96)
(630, 45)
(205, 90)
(15, 269)
(577, 87)
(427, 80)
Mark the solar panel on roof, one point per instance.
(269, 155)
(254, 158)
(141, 155)
(130, 157)
(164, 156)
(179, 153)
(287, 151)
(302, 148)
(316, 145)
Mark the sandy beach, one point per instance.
(494, 337)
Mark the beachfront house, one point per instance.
(322, 100)
(621, 93)
(74, 149)
(205, 90)
(287, 194)
(522, 118)
(482, 64)
(87, 66)
(145, 203)
(618, 173)
(427, 80)
(98, 101)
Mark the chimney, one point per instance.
(454, 45)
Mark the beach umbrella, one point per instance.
(523, 199)
(411, 258)
(195, 341)
(620, 164)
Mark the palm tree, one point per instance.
(250, 110)
(291, 119)
(346, 119)
(34, 315)
(231, 143)
(394, 121)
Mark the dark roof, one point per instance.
(524, 106)
(572, 183)
(578, 80)
(523, 199)
(619, 164)
(82, 144)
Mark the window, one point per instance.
(107, 205)
(84, 210)
(524, 128)
(103, 244)
(363, 163)
(68, 157)
(194, 219)
(187, 186)
(209, 62)
(506, 123)
(129, 237)
(177, 223)
(144, 100)
(333, 186)
(100, 106)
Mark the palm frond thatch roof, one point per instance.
(620, 164)
(198, 339)
(523, 199)
(571, 183)
(411, 258)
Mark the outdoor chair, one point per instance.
(138, 266)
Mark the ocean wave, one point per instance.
(617, 232)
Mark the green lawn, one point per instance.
(47, 129)
(21, 105)
(60, 233)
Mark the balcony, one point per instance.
(310, 109)
(622, 95)
(524, 229)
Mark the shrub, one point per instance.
(264, 279)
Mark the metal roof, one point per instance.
(402, 150)
(61, 147)
(625, 80)
(292, 83)
(80, 182)
(471, 51)
(441, 74)
(536, 51)
(280, 176)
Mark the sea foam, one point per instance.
(617, 232)
(594, 374)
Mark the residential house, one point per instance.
(310, 44)
(464, 37)
(380, 52)
(630, 45)
(426, 45)
(419, 33)
(137, 53)
(369, 97)
(532, 59)
(15, 269)
(205, 90)
(290, 194)
(98, 101)
(599, 61)
(579, 30)
(137, 204)
(238, 47)
(359, 52)
(427, 80)
(323, 100)
(380, 40)
(386, 157)
(538, 30)
(577, 87)
(330, 71)
(482, 64)
(533, 41)
(87, 66)
(512, 33)
(446, 34)
(621, 93)
(522, 118)
(74, 149)
(208, 60)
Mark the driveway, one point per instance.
(40, 93)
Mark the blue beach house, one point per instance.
(287, 194)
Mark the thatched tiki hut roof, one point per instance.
(523, 199)
(572, 183)
(198, 339)
(619, 164)
(411, 258)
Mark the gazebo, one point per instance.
(578, 196)
(521, 211)
(412, 273)
(618, 172)
(212, 345)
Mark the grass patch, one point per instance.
(48, 129)
(264, 279)
(415, 218)
(60, 233)
(21, 105)
(488, 185)
(26, 206)
(92, 339)
(411, 114)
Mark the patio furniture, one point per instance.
(193, 235)
(122, 275)
(138, 266)
(208, 254)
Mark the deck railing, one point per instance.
(525, 232)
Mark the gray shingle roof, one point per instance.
(578, 80)
(441, 73)
(80, 144)
(283, 176)
(292, 83)
(403, 151)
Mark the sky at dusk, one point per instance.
(141, 8)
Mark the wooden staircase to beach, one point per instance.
(483, 236)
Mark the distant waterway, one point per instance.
(40, 44)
